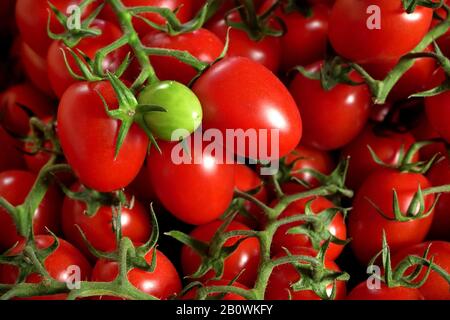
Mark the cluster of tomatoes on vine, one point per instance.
(87, 120)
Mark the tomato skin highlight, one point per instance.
(88, 138)
(202, 44)
(98, 229)
(263, 103)
(162, 283)
(246, 256)
(333, 118)
(196, 192)
(435, 287)
(398, 34)
(285, 275)
(14, 187)
(362, 292)
(366, 224)
(57, 265)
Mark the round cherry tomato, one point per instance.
(413, 81)
(197, 191)
(440, 175)
(35, 68)
(305, 40)
(336, 227)
(285, 275)
(98, 228)
(88, 138)
(14, 187)
(33, 27)
(304, 157)
(184, 12)
(363, 292)
(60, 78)
(332, 118)
(435, 287)
(266, 51)
(245, 257)
(58, 264)
(192, 294)
(202, 44)
(182, 110)
(386, 144)
(141, 186)
(16, 105)
(374, 30)
(246, 180)
(162, 283)
(366, 224)
(437, 109)
(240, 94)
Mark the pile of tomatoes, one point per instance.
(87, 148)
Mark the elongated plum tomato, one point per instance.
(88, 138)
(332, 118)
(435, 287)
(33, 27)
(379, 29)
(386, 144)
(243, 96)
(14, 187)
(59, 76)
(202, 44)
(363, 292)
(336, 226)
(192, 294)
(245, 257)
(196, 190)
(35, 68)
(58, 264)
(162, 283)
(366, 223)
(285, 275)
(182, 113)
(98, 228)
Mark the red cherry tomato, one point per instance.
(33, 27)
(245, 179)
(239, 94)
(285, 275)
(363, 292)
(201, 43)
(192, 294)
(304, 157)
(331, 119)
(440, 175)
(305, 39)
(10, 157)
(375, 30)
(336, 227)
(14, 187)
(18, 102)
(266, 51)
(58, 264)
(246, 256)
(98, 228)
(196, 192)
(386, 144)
(435, 287)
(60, 78)
(88, 138)
(184, 12)
(162, 283)
(366, 224)
(35, 68)
(141, 186)
(437, 109)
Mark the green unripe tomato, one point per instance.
(183, 109)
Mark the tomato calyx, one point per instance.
(314, 275)
(298, 6)
(42, 138)
(397, 277)
(316, 225)
(74, 31)
(410, 5)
